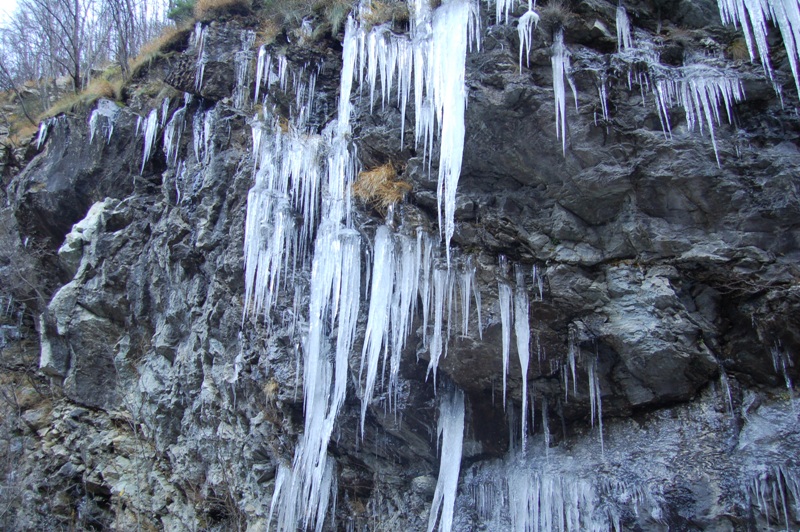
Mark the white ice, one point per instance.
(451, 431)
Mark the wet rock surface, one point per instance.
(672, 277)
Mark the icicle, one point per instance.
(545, 426)
(404, 302)
(506, 313)
(164, 111)
(701, 91)
(453, 25)
(174, 131)
(202, 54)
(376, 337)
(527, 23)
(595, 400)
(624, 40)
(150, 130)
(451, 431)
(263, 64)
(242, 60)
(439, 299)
(523, 334)
(104, 116)
(561, 70)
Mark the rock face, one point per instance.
(666, 287)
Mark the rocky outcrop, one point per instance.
(668, 278)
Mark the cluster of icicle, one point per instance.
(753, 15)
(775, 492)
(299, 171)
(102, 119)
(524, 494)
(406, 269)
(514, 302)
(701, 90)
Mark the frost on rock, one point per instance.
(102, 119)
(451, 431)
(561, 70)
(150, 131)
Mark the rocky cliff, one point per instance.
(638, 263)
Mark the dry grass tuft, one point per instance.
(738, 50)
(555, 16)
(388, 11)
(209, 9)
(172, 38)
(380, 187)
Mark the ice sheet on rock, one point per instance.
(527, 493)
(451, 431)
(103, 118)
(150, 131)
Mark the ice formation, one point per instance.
(624, 40)
(775, 492)
(522, 330)
(753, 15)
(701, 91)
(527, 23)
(202, 54)
(103, 118)
(561, 70)
(173, 131)
(506, 312)
(242, 60)
(529, 494)
(150, 131)
(376, 337)
(451, 432)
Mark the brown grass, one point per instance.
(208, 9)
(171, 38)
(738, 50)
(388, 11)
(97, 88)
(380, 187)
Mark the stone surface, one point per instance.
(665, 270)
